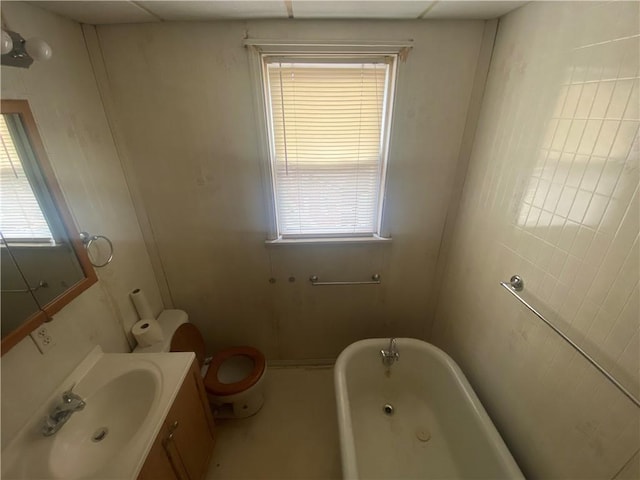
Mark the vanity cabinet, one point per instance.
(182, 450)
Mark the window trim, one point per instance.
(259, 49)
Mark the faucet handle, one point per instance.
(69, 396)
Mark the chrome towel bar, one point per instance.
(375, 280)
(515, 285)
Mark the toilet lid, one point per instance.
(212, 381)
(188, 338)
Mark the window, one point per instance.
(328, 124)
(21, 217)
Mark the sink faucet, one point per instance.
(391, 355)
(71, 403)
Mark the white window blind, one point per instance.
(20, 215)
(328, 152)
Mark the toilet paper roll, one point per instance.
(142, 304)
(147, 332)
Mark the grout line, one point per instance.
(571, 322)
(602, 119)
(628, 462)
(626, 347)
(604, 42)
(602, 80)
(552, 175)
(615, 322)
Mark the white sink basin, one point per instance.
(113, 415)
(127, 398)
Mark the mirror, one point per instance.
(44, 264)
(18, 303)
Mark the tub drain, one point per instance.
(388, 409)
(423, 434)
(99, 434)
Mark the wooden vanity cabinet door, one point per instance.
(174, 459)
(184, 445)
(191, 422)
(158, 465)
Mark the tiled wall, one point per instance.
(552, 195)
(68, 111)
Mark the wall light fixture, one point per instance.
(18, 52)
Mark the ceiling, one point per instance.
(110, 12)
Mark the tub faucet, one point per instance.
(391, 355)
(71, 403)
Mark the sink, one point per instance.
(112, 417)
(127, 398)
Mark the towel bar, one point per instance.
(375, 280)
(515, 285)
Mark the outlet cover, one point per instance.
(43, 339)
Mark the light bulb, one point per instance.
(7, 43)
(38, 49)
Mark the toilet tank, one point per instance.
(169, 320)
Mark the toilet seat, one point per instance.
(211, 379)
(188, 338)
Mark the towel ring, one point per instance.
(88, 239)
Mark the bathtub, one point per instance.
(417, 419)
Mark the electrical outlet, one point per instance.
(42, 338)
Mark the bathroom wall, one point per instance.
(68, 111)
(182, 99)
(552, 195)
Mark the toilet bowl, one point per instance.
(233, 377)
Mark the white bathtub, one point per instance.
(438, 428)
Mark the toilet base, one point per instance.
(239, 405)
(238, 409)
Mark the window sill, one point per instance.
(29, 244)
(375, 239)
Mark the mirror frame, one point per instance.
(21, 107)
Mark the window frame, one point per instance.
(329, 51)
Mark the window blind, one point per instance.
(20, 215)
(327, 129)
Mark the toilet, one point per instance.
(233, 377)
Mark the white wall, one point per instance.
(68, 111)
(183, 101)
(552, 194)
